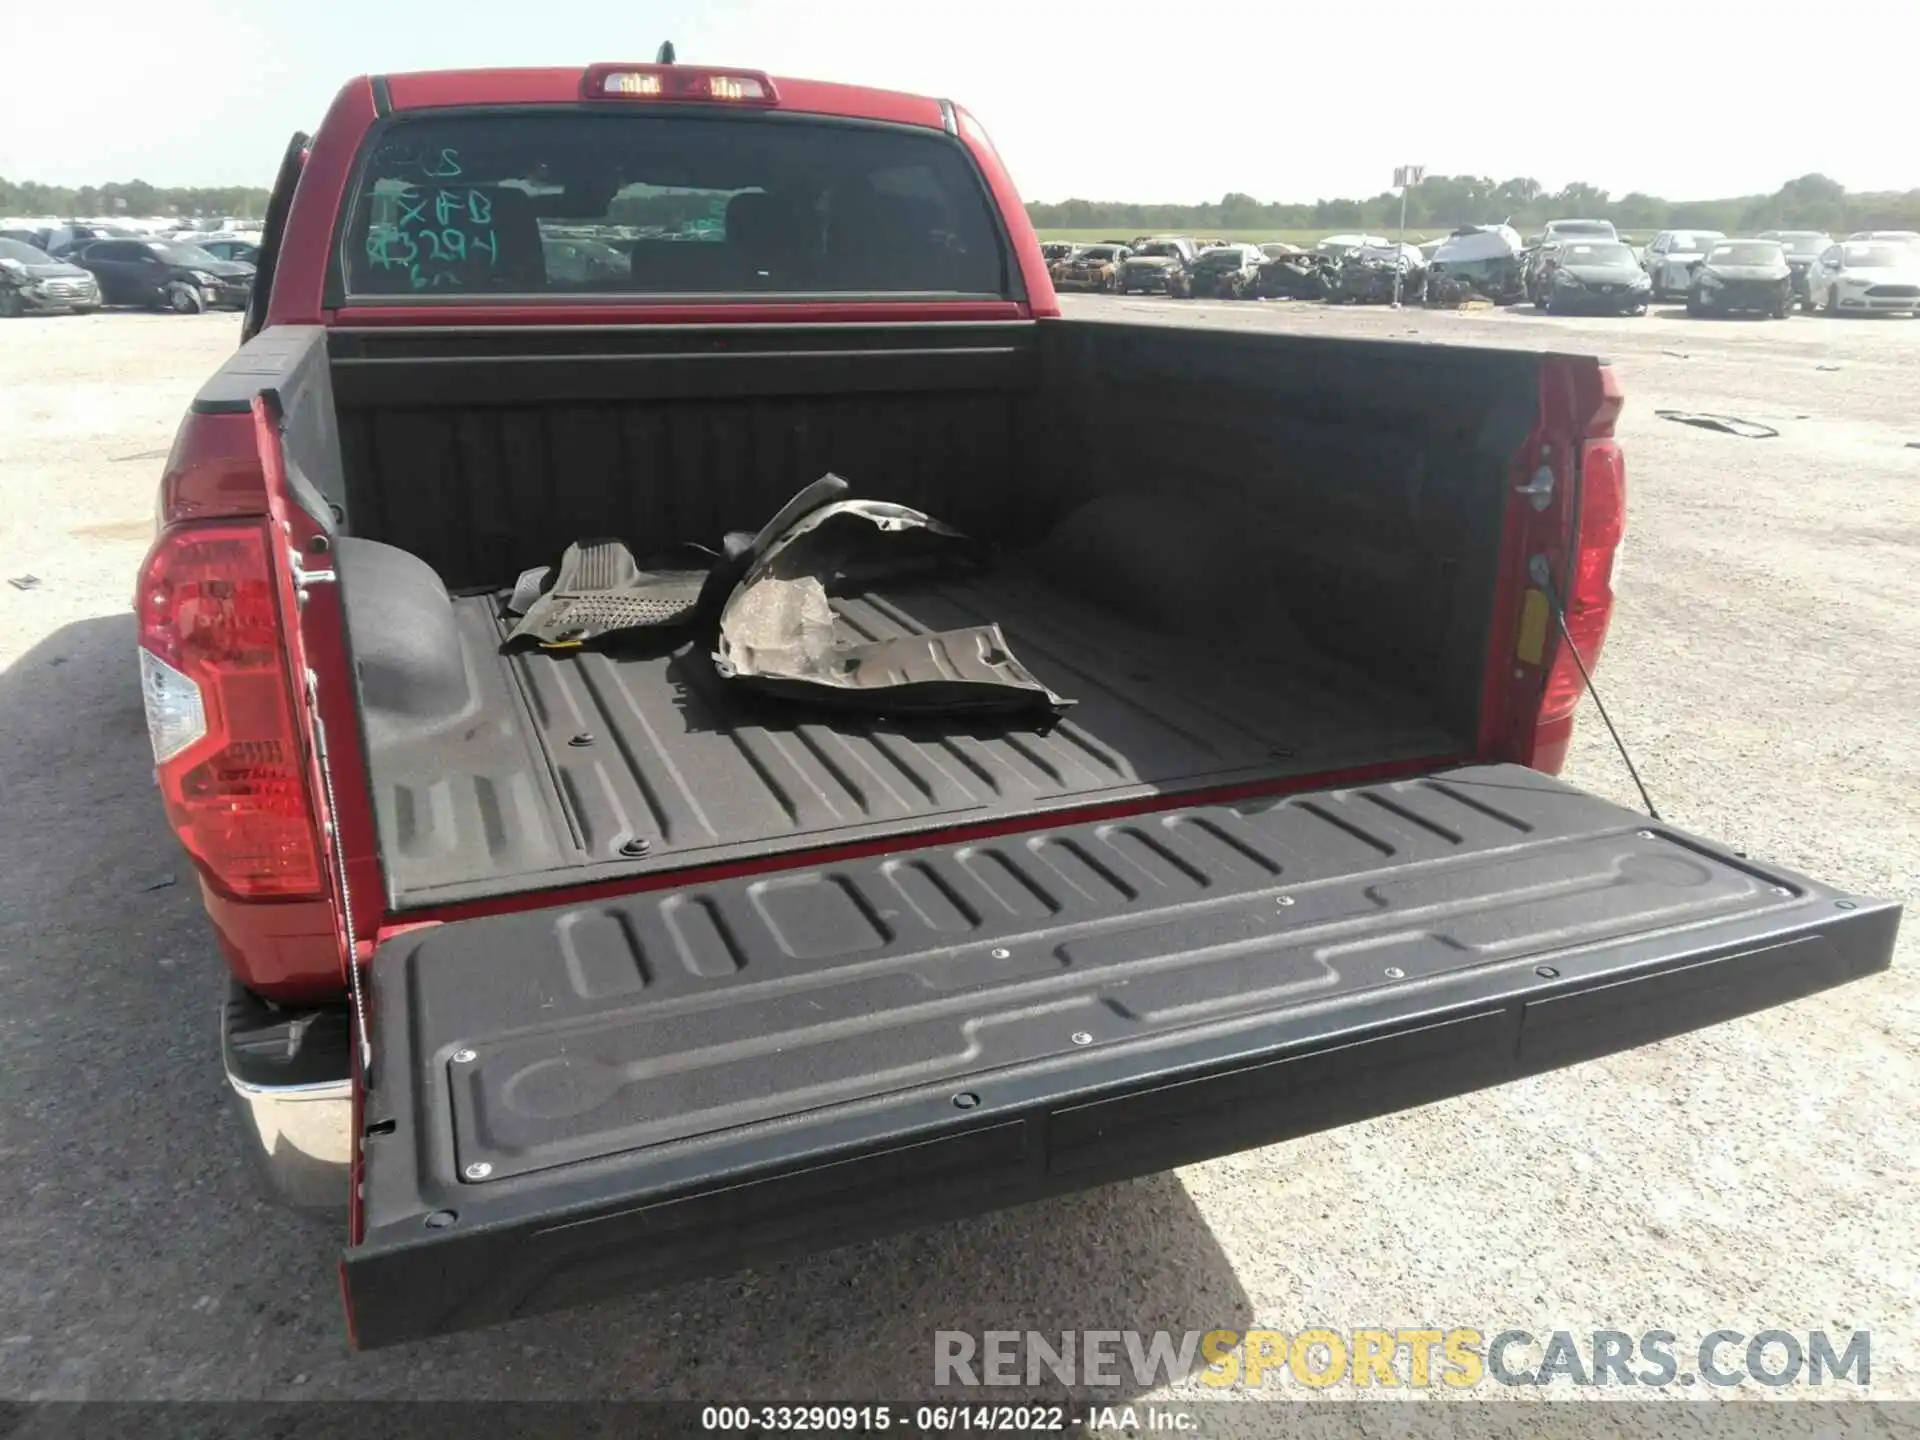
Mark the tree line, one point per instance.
(131, 198)
(1812, 202)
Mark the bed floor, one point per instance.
(582, 766)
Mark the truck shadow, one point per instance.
(137, 1262)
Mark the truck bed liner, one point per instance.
(571, 756)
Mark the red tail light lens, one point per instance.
(1589, 598)
(220, 712)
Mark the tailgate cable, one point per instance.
(337, 863)
(1538, 572)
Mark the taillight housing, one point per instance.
(1589, 587)
(678, 82)
(220, 712)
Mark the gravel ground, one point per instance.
(1764, 665)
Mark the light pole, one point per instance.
(1405, 177)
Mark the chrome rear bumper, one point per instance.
(298, 1135)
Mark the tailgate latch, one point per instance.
(1539, 489)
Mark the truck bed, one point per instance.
(565, 759)
(1251, 560)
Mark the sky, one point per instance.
(1144, 100)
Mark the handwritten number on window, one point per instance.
(434, 164)
(440, 232)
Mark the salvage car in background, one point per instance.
(1742, 275)
(1367, 275)
(63, 240)
(1867, 278)
(231, 247)
(1556, 231)
(1803, 247)
(1895, 237)
(580, 261)
(1158, 266)
(1305, 275)
(1670, 257)
(1096, 267)
(33, 282)
(1534, 264)
(1341, 246)
(181, 278)
(1228, 272)
(1598, 276)
(1485, 257)
(1054, 251)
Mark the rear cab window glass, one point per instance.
(652, 203)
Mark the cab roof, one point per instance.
(436, 89)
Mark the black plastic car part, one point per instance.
(573, 1102)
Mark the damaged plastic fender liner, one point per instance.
(779, 632)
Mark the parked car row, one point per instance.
(1869, 272)
(33, 282)
(1595, 275)
(1583, 265)
(1354, 268)
(120, 270)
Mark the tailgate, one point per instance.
(571, 1102)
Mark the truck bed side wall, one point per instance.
(1375, 473)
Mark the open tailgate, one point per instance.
(571, 1102)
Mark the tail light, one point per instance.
(1565, 522)
(1589, 587)
(220, 712)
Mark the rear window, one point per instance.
(666, 204)
(1877, 257)
(1749, 252)
(1798, 242)
(1598, 253)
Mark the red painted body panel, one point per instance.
(436, 89)
(213, 472)
(1579, 402)
(317, 641)
(299, 278)
(287, 951)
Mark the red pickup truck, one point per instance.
(567, 969)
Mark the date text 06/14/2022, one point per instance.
(983, 1419)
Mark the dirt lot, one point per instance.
(1764, 664)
